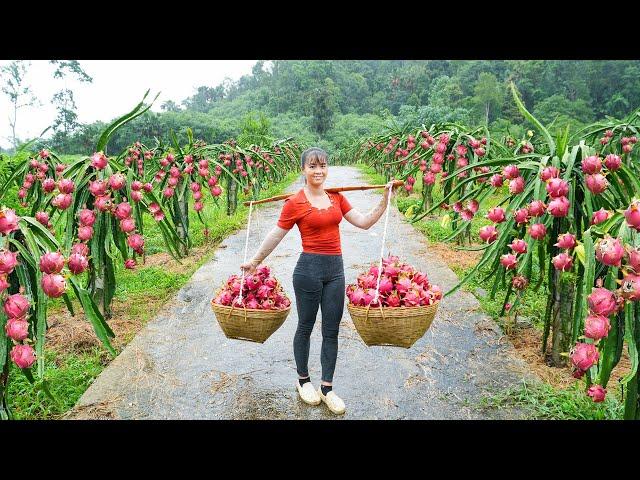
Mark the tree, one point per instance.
(488, 95)
(20, 95)
(324, 106)
(170, 106)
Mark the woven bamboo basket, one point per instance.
(248, 323)
(392, 326)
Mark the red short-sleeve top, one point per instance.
(319, 228)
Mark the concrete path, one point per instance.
(181, 366)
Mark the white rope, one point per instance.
(246, 245)
(384, 237)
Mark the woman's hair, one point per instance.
(313, 153)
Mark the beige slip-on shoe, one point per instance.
(333, 401)
(307, 393)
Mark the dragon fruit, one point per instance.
(8, 261)
(632, 214)
(538, 231)
(516, 185)
(584, 356)
(566, 241)
(602, 302)
(630, 287)
(613, 162)
(261, 292)
(488, 233)
(496, 215)
(537, 208)
(557, 187)
(511, 172)
(518, 246)
(53, 285)
(52, 262)
(600, 216)
(596, 326)
(496, 180)
(591, 165)
(609, 251)
(23, 355)
(77, 263)
(596, 183)
(548, 173)
(521, 216)
(562, 262)
(597, 393)
(509, 261)
(17, 329)
(559, 207)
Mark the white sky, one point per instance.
(117, 87)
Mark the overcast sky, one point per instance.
(118, 86)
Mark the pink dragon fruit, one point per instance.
(77, 263)
(136, 196)
(80, 249)
(23, 355)
(8, 221)
(609, 251)
(630, 287)
(591, 165)
(8, 261)
(496, 215)
(403, 285)
(136, 241)
(16, 306)
(518, 246)
(516, 185)
(597, 393)
(519, 282)
(548, 173)
(613, 162)
(53, 285)
(632, 214)
(48, 185)
(98, 188)
(17, 329)
(537, 208)
(596, 326)
(584, 356)
(602, 302)
(4, 284)
(538, 231)
(66, 186)
(123, 210)
(136, 185)
(386, 285)
(99, 160)
(566, 241)
(562, 262)
(521, 216)
(511, 172)
(85, 233)
(117, 181)
(634, 259)
(411, 298)
(488, 233)
(43, 218)
(127, 225)
(559, 207)
(596, 183)
(87, 217)
(62, 201)
(557, 187)
(496, 180)
(130, 264)
(509, 261)
(600, 216)
(52, 262)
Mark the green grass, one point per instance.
(68, 377)
(543, 402)
(142, 292)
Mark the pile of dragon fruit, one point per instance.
(261, 291)
(401, 285)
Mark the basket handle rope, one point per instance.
(384, 238)
(246, 246)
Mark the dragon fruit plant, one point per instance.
(401, 285)
(260, 291)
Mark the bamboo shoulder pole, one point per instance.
(396, 183)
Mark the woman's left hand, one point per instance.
(387, 190)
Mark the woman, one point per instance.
(318, 278)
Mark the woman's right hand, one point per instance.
(248, 267)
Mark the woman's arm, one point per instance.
(365, 221)
(271, 241)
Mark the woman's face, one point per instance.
(315, 171)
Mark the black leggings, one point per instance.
(318, 280)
